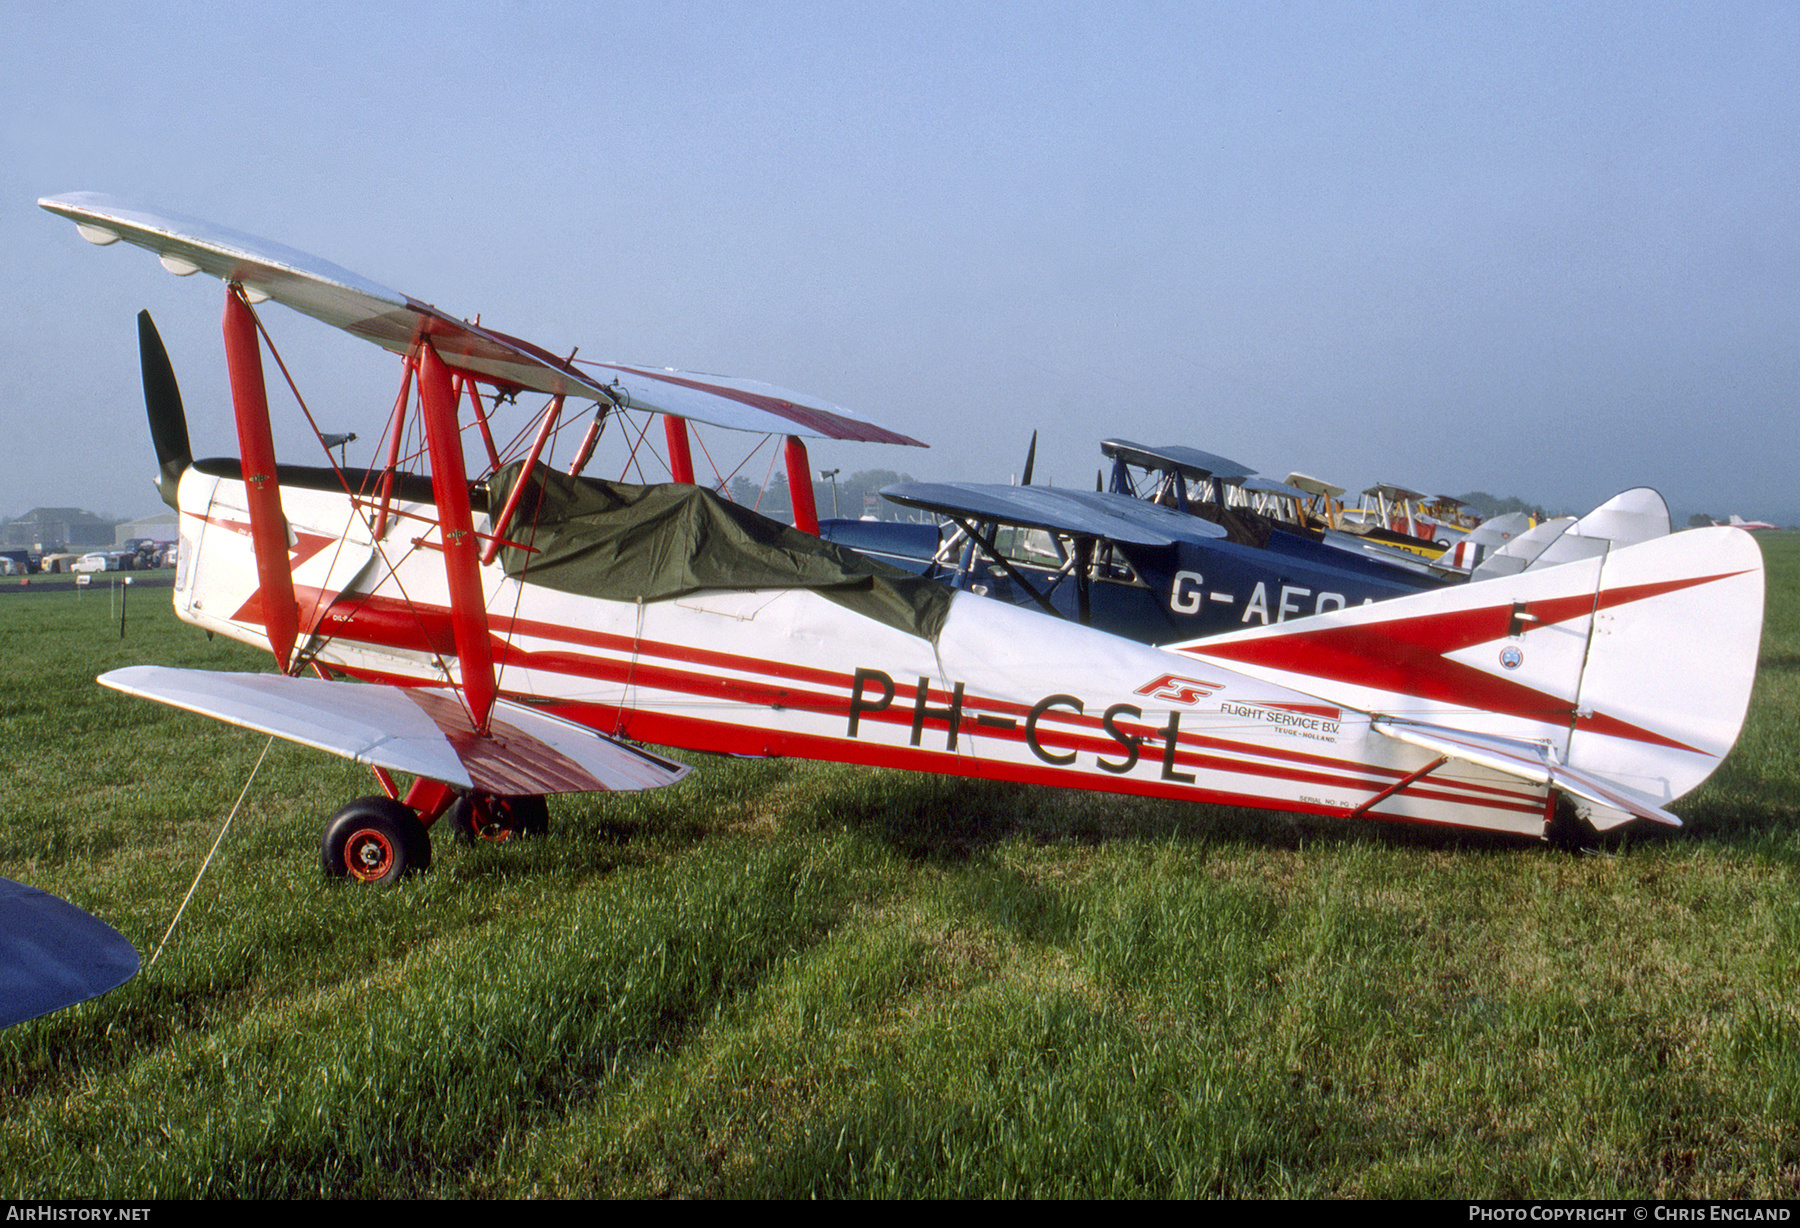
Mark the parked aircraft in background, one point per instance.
(1122, 562)
(1132, 567)
(1226, 492)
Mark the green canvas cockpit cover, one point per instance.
(620, 542)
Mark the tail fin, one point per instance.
(1634, 666)
(1628, 518)
(1679, 661)
(1490, 535)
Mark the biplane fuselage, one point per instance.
(1004, 693)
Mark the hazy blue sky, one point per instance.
(1544, 249)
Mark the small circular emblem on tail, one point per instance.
(1511, 657)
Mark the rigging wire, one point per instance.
(725, 479)
(530, 539)
(631, 457)
(292, 386)
(319, 608)
(209, 856)
(767, 474)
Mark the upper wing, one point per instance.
(322, 290)
(1269, 486)
(742, 405)
(1189, 462)
(398, 322)
(1315, 486)
(423, 732)
(1117, 518)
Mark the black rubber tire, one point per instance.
(375, 840)
(494, 819)
(1567, 831)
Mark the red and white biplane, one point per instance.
(513, 636)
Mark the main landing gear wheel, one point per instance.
(375, 840)
(485, 816)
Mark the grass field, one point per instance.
(790, 979)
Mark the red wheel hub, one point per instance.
(368, 855)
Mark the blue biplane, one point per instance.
(1188, 553)
(1109, 560)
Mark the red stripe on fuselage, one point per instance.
(819, 421)
(670, 729)
(641, 663)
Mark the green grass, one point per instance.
(789, 979)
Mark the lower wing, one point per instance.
(422, 731)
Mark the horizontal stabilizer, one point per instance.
(1626, 519)
(1629, 517)
(422, 732)
(52, 954)
(1524, 550)
(1531, 761)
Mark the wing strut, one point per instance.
(586, 451)
(551, 414)
(990, 547)
(462, 383)
(262, 489)
(681, 456)
(1398, 785)
(450, 488)
(806, 513)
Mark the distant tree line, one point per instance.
(1490, 506)
(857, 495)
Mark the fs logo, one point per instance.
(1178, 690)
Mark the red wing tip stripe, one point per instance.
(821, 421)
